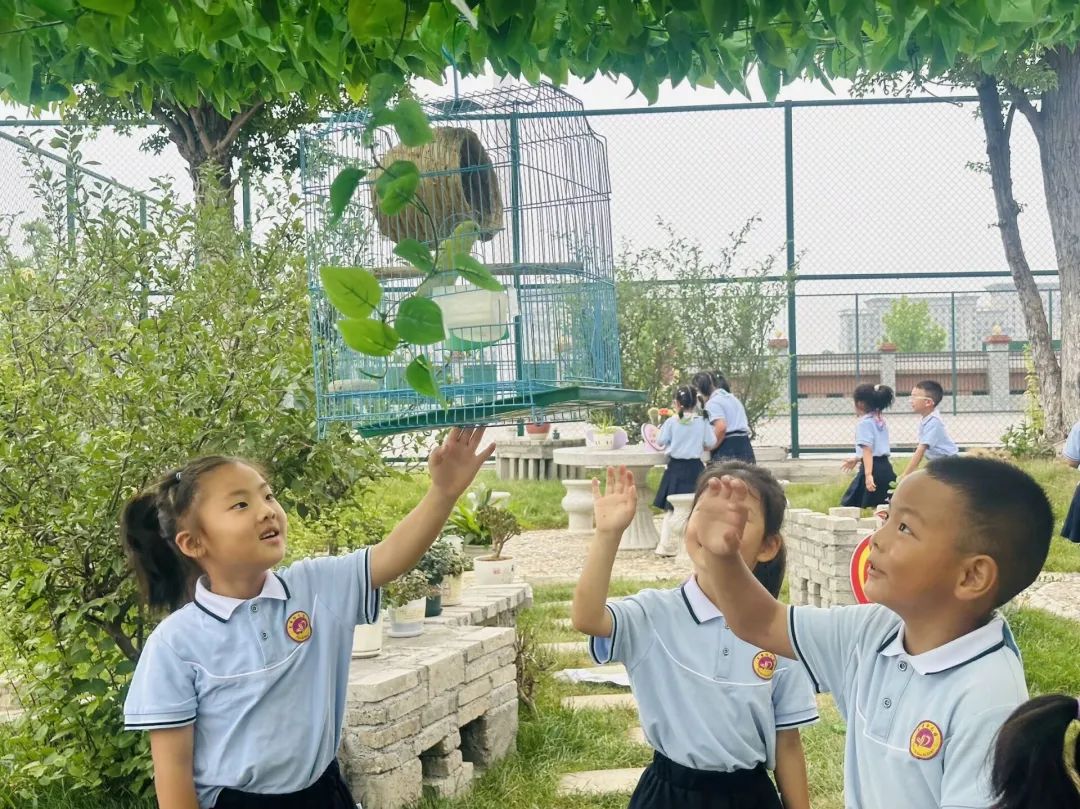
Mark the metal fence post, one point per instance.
(245, 201)
(952, 352)
(858, 343)
(793, 353)
(515, 231)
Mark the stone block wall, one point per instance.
(819, 548)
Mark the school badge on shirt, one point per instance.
(765, 665)
(925, 741)
(298, 625)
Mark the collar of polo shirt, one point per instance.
(701, 609)
(965, 649)
(222, 607)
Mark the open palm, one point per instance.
(719, 517)
(615, 510)
(454, 463)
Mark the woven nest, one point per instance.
(457, 183)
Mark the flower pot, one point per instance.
(367, 639)
(538, 432)
(451, 591)
(603, 440)
(433, 606)
(493, 571)
(407, 621)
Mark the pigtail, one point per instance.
(883, 397)
(686, 397)
(164, 574)
(1029, 767)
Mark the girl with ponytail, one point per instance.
(727, 416)
(1035, 763)
(875, 473)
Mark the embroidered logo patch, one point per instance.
(925, 741)
(298, 625)
(765, 665)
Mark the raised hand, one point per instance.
(849, 464)
(719, 517)
(454, 463)
(615, 510)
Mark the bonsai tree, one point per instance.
(500, 525)
(438, 562)
(409, 587)
(459, 562)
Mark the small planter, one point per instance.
(367, 639)
(451, 591)
(494, 571)
(603, 441)
(538, 432)
(407, 621)
(433, 606)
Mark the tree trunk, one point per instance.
(1058, 133)
(998, 149)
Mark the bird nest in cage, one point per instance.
(457, 183)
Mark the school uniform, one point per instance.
(710, 704)
(932, 434)
(871, 431)
(920, 728)
(264, 681)
(1071, 527)
(736, 443)
(685, 440)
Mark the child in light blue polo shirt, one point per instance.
(874, 475)
(243, 686)
(719, 712)
(727, 415)
(933, 440)
(925, 676)
(1070, 529)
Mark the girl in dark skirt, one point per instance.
(1071, 529)
(727, 416)
(686, 437)
(875, 473)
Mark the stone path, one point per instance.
(1058, 593)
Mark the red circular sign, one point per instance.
(860, 567)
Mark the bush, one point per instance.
(125, 353)
(1028, 438)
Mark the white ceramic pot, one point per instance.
(367, 639)
(451, 591)
(407, 621)
(603, 441)
(493, 571)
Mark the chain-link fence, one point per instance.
(882, 208)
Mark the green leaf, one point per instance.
(1015, 11)
(371, 337)
(411, 124)
(476, 273)
(420, 321)
(439, 279)
(374, 19)
(342, 190)
(416, 254)
(396, 186)
(118, 8)
(421, 377)
(353, 292)
(769, 77)
(460, 240)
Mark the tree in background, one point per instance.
(910, 328)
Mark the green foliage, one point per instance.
(669, 331)
(406, 588)
(440, 561)
(500, 524)
(465, 521)
(122, 355)
(1028, 438)
(910, 328)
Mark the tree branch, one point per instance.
(200, 129)
(179, 133)
(238, 123)
(1021, 101)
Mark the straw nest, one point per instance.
(457, 182)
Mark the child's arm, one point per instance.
(614, 513)
(916, 459)
(453, 466)
(713, 539)
(174, 779)
(791, 780)
(868, 468)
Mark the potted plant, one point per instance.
(452, 584)
(436, 565)
(463, 519)
(501, 526)
(405, 599)
(602, 431)
(538, 430)
(367, 638)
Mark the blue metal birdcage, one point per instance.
(526, 167)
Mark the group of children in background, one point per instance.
(243, 686)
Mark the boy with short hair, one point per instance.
(934, 442)
(925, 676)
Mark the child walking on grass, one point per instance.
(933, 441)
(870, 486)
(719, 712)
(243, 686)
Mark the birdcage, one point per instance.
(525, 166)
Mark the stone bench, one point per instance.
(529, 459)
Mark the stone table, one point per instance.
(641, 535)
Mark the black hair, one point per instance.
(1030, 754)
(1009, 517)
(149, 524)
(686, 398)
(933, 390)
(720, 380)
(773, 504)
(873, 397)
(704, 383)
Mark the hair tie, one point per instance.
(177, 477)
(876, 387)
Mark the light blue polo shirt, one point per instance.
(932, 433)
(707, 699)
(919, 728)
(869, 432)
(263, 680)
(1072, 444)
(687, 439)
(723, 405)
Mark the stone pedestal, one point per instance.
(676, 525)
(578, 504)
(529, 459)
